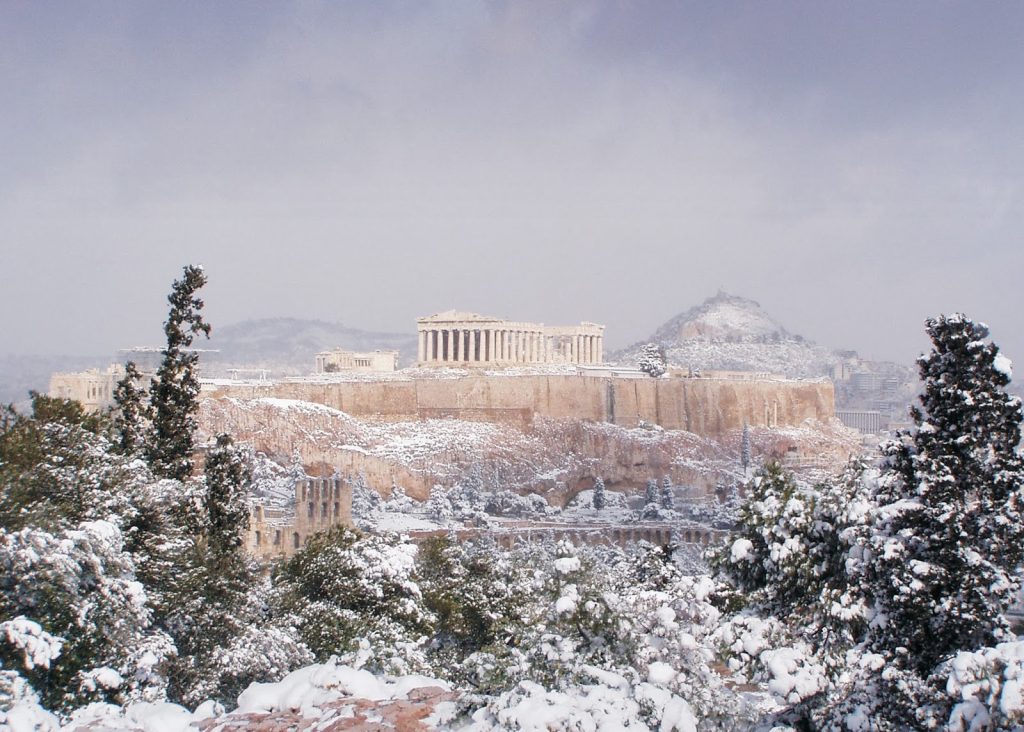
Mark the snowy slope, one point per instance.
(727, 332)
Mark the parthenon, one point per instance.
(468, 339)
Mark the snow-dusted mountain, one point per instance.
(734, 333)
(291, 344)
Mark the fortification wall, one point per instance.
(703, 406)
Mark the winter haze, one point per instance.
(853, 167)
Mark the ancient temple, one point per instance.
(454, 338)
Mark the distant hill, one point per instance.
(733, 333)
(289, 345)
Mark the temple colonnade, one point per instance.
(468, 339)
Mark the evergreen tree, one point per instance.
(354, 594)
(745, 447)
(227, 511)
(175, 390)
(131, 411)
(652, 360)
(56, 467)
(651, 494)
(941, 566)
(667, 499)
(599, 497)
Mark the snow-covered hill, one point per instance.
(733, 333)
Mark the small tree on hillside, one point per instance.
(651, 494)
(652, 360)
(667, 498)
(598, 496)
(175, 390)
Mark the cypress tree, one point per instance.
(651, 495)
(745, 447)
(131, 411)
(227, 512)
(175, 390)
(667, 499)
(598, 497)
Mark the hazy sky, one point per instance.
(853, 166)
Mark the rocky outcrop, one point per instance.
(552, 457)
(703, 406)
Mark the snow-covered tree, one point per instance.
(354, 595)
(365, 502)
(228, 479)
(57, 468)
(788, 556)
(599, 499)
(667, 496)
(652, 360)
(77, 625)
(651, 494)
(131, 411)
(940, 564)
(175, 390)
(476, 594)
(439, 508)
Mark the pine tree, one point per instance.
(175, 390)
(745, 447)
(941, 565)
(667, 499)
(131, 411)
(651, 494)
(599, 497)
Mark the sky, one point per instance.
(854, 167)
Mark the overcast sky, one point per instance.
(854, 167)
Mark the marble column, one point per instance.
(600, 349)
(449, 344)
(472, 346)
(421, 347)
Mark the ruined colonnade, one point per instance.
(470, 339)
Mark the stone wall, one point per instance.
(703, 406)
